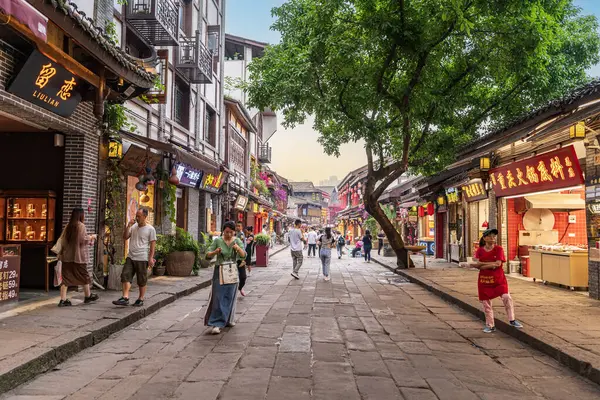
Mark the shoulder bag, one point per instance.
(228, 271)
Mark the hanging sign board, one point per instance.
(187, 175)
(241, 202)
(474, 190)
(452, 195)
(550, 171)
(213, 182)
(45, 83)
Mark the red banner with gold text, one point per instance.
(549, 171)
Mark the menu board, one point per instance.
(10, 272)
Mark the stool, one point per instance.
(422, 252)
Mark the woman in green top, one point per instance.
(221, 305)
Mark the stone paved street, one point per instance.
(367, 334)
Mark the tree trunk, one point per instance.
(394, 238)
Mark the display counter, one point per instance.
(562, 268)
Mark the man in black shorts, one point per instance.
(142, 243)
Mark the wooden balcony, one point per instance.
(156, 20)
(194, 61)
(264, 154)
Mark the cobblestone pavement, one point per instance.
(367, 334)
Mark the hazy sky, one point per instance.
(296, 153)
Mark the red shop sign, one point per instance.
(550, 171)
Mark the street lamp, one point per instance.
(484, 164)
(115, 148)
(577, 131)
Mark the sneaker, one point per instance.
(231, 324)
(489, 329)
(242, 292)
(295, 275)
(93, 297)
(215, 330)
(138, 303)
(65, 303)
(121, 302)
(326, 279)
(516, 324)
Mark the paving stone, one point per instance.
(418, 394)
(450, 389)
(258, 357)
(295, 342)
(282, 388)
(528, 366)
(389, 351)
(404, 374)
(329, 352)
(196, 390)
(376, 388)
(350, 323)
(215, 367)
(293, 365)
(247, 384)
(325, 329)
(153, 390)
(334, 381)
(368, 363)
(270, 330)
(414, 348)
(358, 340)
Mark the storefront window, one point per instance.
(137, 200)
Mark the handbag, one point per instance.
(228, 272)
(58, 274)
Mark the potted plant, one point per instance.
(262, 249)
(204, 245)
(182, 253)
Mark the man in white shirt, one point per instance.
(312, 242)
(296, 240)
(142, 243)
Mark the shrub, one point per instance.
(262, 240)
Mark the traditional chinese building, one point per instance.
(527, 181)
(58, 67)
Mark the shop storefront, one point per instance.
(426, 228)
(546, 223)
(477, 206)
(455, 224)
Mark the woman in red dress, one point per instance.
(492, 283)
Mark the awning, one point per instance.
(556, 201)
(136, 158)
(26, 14)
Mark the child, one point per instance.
(492, 283)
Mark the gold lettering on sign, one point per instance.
(532, 175)
(569, 164)
(544, 174)
(520, 177)
(65, 90)
(45, 74)
(556, 168)
(511, 179)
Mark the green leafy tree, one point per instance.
(416, 80)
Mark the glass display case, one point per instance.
(27, 216)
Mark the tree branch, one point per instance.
(369, 159)
(389, 179)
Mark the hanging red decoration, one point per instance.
(485, 224)
(173, 179)
(430, 209)
(421, 211)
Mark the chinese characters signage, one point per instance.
(213, 182)
(45, 83)
(474, 190)
(10, 266)
(549, 171)
(241, 202)
(452, 195)
(188, 176)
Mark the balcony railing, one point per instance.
(155, 20)
(194, 60)
(264, 154)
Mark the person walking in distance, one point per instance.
(221, 305)
(297, 241)
(341, 243)
(249, 247)
(367, 245)
(492, 282)
(380, 237)
(239, 231)
(74, 256)
(326, 243)
(312, 242)
(142, 244)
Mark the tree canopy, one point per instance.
(416, 79)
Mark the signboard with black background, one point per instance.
(187, 175)
(46, 83)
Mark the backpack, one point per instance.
(341, 241)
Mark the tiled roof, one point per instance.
(303, 187)
(552, 107)
(87, 25)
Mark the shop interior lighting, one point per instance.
(543, 192)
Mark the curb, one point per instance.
(45, 360)
(278, 251)
(580, 366)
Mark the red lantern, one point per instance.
(430, 209)
(421, 211)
